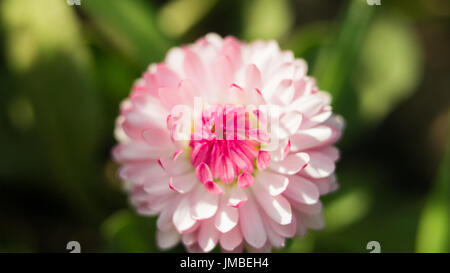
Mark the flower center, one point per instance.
(226, 144)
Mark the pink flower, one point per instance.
(224, 173)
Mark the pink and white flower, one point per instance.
(230, 181)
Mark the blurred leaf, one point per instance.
(336, 61)
(267, 19)
(127, 232)
(389, 67)
(370, 211)
(299, 245)
(348, 208)
(178, 16)
(308, 37)
(434, 228)
(53, 72)
(114, 77)
(21, 113)
(131, 26)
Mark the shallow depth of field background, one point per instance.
(64, 69)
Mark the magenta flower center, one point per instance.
(226, 145)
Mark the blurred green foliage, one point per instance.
(434, 228)
(65, 69)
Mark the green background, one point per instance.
(64, 69)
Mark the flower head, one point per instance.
(229, 144)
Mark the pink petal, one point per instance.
(203, 173)
(307, 209)
(253, 77)
(274, 238)
(158, 137)
(213, 187)
(226, 217)
(183, 183)
(319, 166)
(208, 235)
(203, 204)
(165, 76)
(263, 160)
(167, 239)
(245, 180)
(289, 124)
(285, 92)
(273, 183)
(292, 164)
(164, 222)
(251, 224)
(285, 230)
(175, 167)
(227, 171)
(231, 239)
(276, 207)
(314, 221)
(302, 190)
(237, 197)
(312, 137)
(182, 216)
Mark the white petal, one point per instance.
(189, 238)
(167, 239)
(275, 239)
(226, 217)
(319, 166)
(310, 138)
(182, 218)
(208, 235)
(302, 190)
(289, 124)
(237, 197)
(293, 163)
(285, 230)
(178, 166)
(203, 203)
(307, 209)
(184, 183)
(276, 207)
(251, 224)
(230, 240)
(313, 221)
(164, 221)
(274, 183)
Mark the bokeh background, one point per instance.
(65, 68)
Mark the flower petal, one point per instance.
(263, 160)
(273, 183)
(208, 235)
(182, 218)
(276, 207)
(167, 239)
(292, 164)
(237, 197)
(319, 166)
(302, 190)
(183, 183)
(226, 217)
(251, 224)
(245, 180)
(203, 204)
(231, 239)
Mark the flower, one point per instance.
(230, 144)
